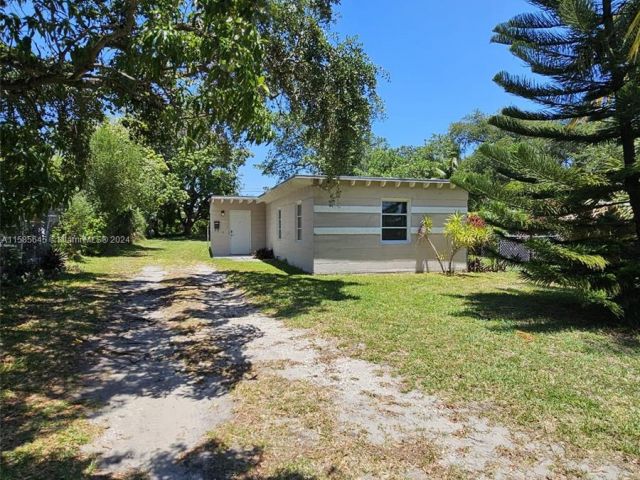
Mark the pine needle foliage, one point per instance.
(571, 212)
(576, 206)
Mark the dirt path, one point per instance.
(195, 384)
(154, 409)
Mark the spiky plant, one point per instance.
(461, 232)
(579, 212)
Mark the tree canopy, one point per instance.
(122, 174)
(593, 92)
(437, 158)
(232, 66)
(440, 156)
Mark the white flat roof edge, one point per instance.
(373, 179)
(339, 178)
(232, 197)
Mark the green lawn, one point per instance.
(540, 360)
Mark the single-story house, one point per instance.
(370, 226)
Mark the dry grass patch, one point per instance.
(291, 427)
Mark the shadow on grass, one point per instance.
(545, 311)
(283, 267)
(44, 327)
(213, 459)
(291, 291)
(127, 250)
(180, 238)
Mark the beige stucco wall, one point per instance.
(296, 252)
(332, 237)
(220, 240)
(359, 253)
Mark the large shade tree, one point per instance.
(206, 65)
(437, 158)
(201, 171)
(579, 211)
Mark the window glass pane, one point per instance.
(394, 207)
(394, 220)
(394, 234)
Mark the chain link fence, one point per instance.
(512, 249)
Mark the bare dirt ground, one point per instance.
(193, 383)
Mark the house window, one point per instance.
(395, 221)
(299, 221)
(279, 224)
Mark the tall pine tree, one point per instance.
(577, 206)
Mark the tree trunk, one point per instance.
(187, 225)
(631, 182)
(624, 116)
(189, 218)
(435, 251)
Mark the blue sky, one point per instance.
(439, 60)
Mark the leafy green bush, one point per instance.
(126, 181)
(130, 224)
(81, 229)
(263, 254)
(11, 265)
(199, 228)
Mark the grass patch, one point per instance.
(44, 328)
(128, 259)
(537, 358)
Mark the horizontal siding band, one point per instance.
(346, 209)
(361, 230)
(346, 231)
(438, 209)
(433, 229)
(377, 209)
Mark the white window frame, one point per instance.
(279, 224)
(298, 223)
(407, 227)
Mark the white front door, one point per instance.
(240, 232)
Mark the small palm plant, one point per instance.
(461, 231)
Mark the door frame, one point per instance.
(246, 213)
